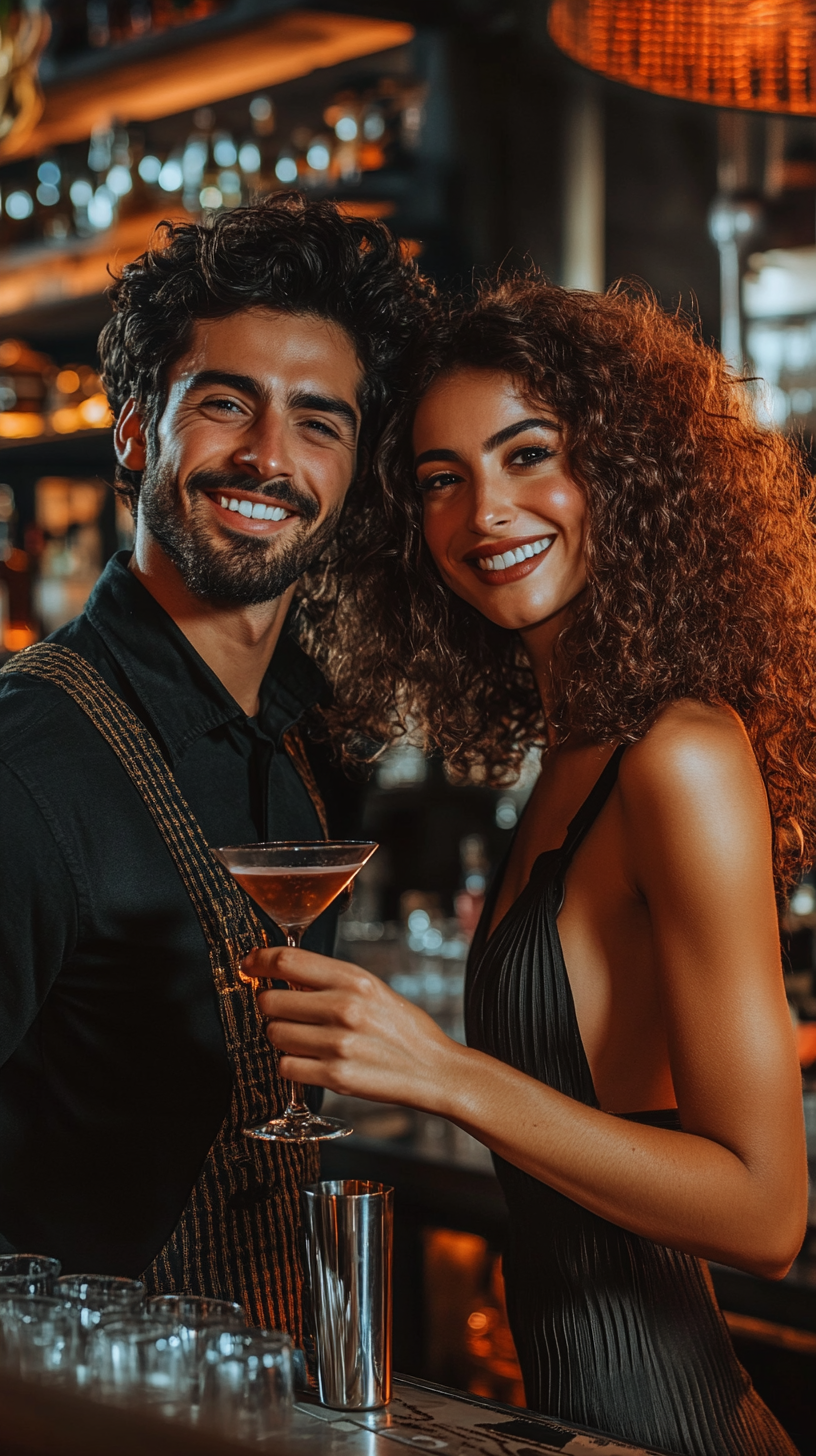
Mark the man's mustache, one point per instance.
(282, 490)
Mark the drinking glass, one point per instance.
(38, 1337)
(294, 881)
(196, 1319)
(27, 1274)
(97, 1297)
(139, 1360)
(248, 1388)
(97, 1294)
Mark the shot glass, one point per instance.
(95, 1294)
(27, 1274)
(196, 1319)
(248, 1386)
(138, 1361)
(39, 1338)
(97, 1297)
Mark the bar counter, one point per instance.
(38, 1420)
(443, 1179)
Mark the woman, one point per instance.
(589, 544)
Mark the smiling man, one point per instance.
(249, 364)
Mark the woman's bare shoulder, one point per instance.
(695, 755)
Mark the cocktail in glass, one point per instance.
(294, 881)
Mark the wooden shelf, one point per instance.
(50, 449)
(38, 278)
(42, 276)
(186, 72)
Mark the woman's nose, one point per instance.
(490, 507)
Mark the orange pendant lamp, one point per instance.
(758, 55)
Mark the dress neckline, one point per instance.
(577, 830)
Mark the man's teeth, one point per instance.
(512, 558)
(257, 510)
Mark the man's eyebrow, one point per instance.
(244, 382)
(327, 404)
(501, 437)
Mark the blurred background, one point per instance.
(578, 136)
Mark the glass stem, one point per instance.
(297, 1105)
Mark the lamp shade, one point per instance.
(757, 55)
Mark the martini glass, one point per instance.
(294, 881)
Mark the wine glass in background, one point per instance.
(294, 881)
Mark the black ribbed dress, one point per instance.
(612, 1331)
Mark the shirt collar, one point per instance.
(181, 694)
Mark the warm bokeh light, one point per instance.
(92, 414)
(19, 425)
(759, 55)
(806, 1043)
(17, 635)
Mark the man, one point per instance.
(248, 366)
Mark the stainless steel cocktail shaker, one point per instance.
(348, 1228)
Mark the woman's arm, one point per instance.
(733, 1185)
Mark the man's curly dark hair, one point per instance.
(701, 559)
(284, 253)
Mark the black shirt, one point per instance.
(114, 1078)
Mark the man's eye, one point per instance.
(321, 428)
(228, 406)
(438, 482)
(531, 455)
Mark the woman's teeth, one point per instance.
(512, 558)
(256, 510)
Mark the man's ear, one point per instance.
(129, 437)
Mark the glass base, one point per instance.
(298, 1127)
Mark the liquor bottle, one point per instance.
(18, 625)
(24, 378)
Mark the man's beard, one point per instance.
(245, 570)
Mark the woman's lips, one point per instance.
(530, 552)
(240, 511)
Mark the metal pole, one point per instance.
(585, 191)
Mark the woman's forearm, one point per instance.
(682, 1190)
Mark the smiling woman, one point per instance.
(588, 543)
(700, 561)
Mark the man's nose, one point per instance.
(265, 448)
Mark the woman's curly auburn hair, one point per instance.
(701, 559)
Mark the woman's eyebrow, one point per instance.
(492, 442)
(435, 455)
(510, 431)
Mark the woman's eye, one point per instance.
(438, 482)
(531, 455)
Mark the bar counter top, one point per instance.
(38, 1420)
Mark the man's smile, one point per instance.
(249, 512)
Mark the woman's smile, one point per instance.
(511, 562)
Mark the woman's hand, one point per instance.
(346, 1030)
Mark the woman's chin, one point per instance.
(499, 608)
